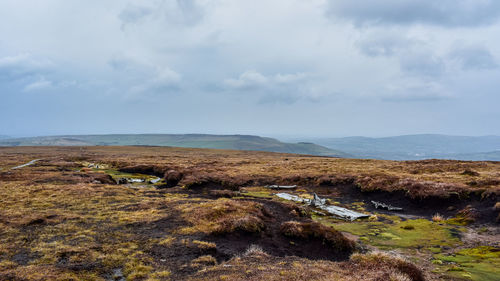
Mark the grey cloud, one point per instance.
(277, 89)
(179, 12)
(422, 64)
(40, 84)
(133, 14)
(474, 58)
(415, 57)
(449, 13)
(414, 91)
(385, 45)
(143, 80)
(190, 12)
(248, 80)
(22, 66)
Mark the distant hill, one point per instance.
(235, 142)
(415, 147)
(2, 137)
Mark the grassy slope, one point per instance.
(236, 142)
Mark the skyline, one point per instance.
(272, 68)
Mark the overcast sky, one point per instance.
(266, 67)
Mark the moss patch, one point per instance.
(390, 234)
(481, 263)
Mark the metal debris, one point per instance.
(27, 164)
(380, 205)
(321, 204)
(274, 186)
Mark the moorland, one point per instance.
(165, 213)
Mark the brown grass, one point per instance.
(61, 222)
(383, 260)
(314, 230)
(256, 265)
(223, 216)
(232, 169)
(438, 218)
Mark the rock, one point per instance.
(172, 178)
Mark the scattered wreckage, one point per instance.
(25, 165)
(320, 203)
(380, 205)
(274, 186)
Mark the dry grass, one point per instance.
(497, 206)
(313, 230)
(61, 222)
(438, 218)
(381, 260)
(231, 169)
(223, 216)
(256, 265)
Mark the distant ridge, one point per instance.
(2, 137)
(234, 142)
(416, 147)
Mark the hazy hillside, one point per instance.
(2, 137)
(236, 142)
(414, 147)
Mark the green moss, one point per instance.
(458, 221)
(481, 263)
(408, 234)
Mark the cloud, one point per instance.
(414, 56)
(386, 45)
(248, 80)
(187, 12)
(447, 13)
(411, 90)
(422, 64)
(22, 65)
(474, 58)
(177, 12)
(163, 81)
(278, 88)
(40, 84)
(133, 14)
(142, 80)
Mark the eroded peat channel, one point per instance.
(141, 213)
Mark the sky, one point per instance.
(315, 68)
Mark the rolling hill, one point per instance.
(235, 142)
(416, 147)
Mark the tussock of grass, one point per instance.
(464, 217)
(437, 218)
(223, 216)
(380, 260)
(314, 230)
(259, 266)
(496, 207)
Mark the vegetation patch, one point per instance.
(305, 231)
(481, 263)
(223, 216)
(415, 234)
